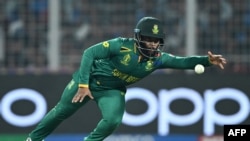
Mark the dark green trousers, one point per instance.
(110, 102)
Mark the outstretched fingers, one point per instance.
(217, 59)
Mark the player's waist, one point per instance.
(107, 81)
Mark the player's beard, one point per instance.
(148, 52)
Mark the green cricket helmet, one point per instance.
(149, 27)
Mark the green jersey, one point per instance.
(117, 63)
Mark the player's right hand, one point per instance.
(217, 59)
(81, 94)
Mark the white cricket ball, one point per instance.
(199, 69)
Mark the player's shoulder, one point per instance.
(125, 40)
(167, 54)
(120, 40)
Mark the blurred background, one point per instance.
(30, 29)
(41, 43)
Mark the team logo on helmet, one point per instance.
(155, 29)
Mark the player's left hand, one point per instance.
(217, 59)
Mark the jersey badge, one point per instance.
(125, 60)
(149, 65)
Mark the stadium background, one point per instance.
(42, 41)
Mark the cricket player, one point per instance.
(107, 68)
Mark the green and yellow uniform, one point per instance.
(107, 68)
(117, 63)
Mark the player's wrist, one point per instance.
(83, 85)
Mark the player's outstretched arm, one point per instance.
(217, 59)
